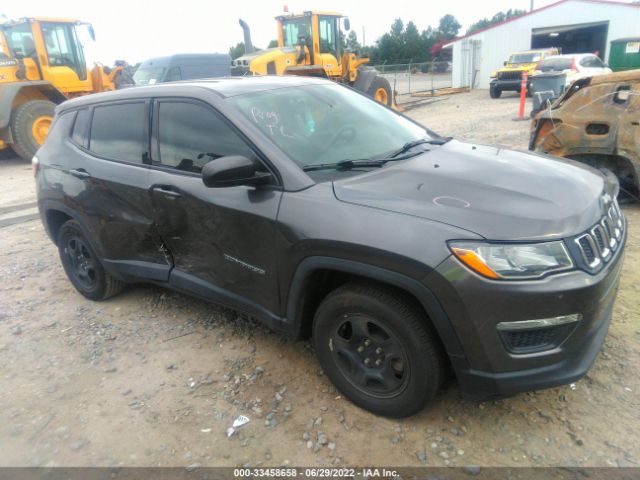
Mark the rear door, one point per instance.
(222, 240)
(108, 185)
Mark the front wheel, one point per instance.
(378, 349)
(30, 123)
(494, 92)
(380, 91)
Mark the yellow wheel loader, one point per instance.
(42, 64)
(309, 44)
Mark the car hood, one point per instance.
(494, 192)
(509, 67)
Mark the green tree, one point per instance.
(273, 44)
(397, 28)
(497, 18)
(412, 46)
(236, 51)
(342, 39)
(403, 43)
(352, 41)
(448, 27)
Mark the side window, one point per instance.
(173, 74)
(20, 40)
(191, 135)
(62, 126)
(295, 29)
(204, 71)
(80, 127)
(328, 35)
(118, 131)
(591, 62)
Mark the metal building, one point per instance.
(576, 26)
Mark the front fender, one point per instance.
(9, 91)
(365, 78)
(431, 305)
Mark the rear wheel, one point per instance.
(30, 123)
(380, 91)
(494, 92)
(378, 349)
(82, 265)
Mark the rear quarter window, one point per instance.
(80, 128)
(61, 127)
(119, 131)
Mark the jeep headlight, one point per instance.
(512, 260)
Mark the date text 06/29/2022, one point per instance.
(292, 472)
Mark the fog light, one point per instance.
(529, 336)
(540, 323)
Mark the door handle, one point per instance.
(80, 173)
(167, 191)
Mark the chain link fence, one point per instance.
(414, 77)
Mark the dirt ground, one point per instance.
(154, 378)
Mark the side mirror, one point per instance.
(347, 24)
(232, 171)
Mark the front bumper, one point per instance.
(476, 305)
(506, 85)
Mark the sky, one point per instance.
(136, 30)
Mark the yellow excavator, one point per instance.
(42, 64)
(310, 44)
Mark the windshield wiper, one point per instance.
(350, 164)
(409, 145)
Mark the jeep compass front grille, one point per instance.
(598, 244)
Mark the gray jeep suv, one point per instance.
(403, 255)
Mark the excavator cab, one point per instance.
(310, 44)
(49, 50)
(42, 63)
(317, 35)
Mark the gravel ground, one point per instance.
(154, 378)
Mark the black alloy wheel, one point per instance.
(370, 356)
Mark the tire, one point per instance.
(82, 266)
(377, 87)
(494, 92)
(25, 141)
(378, 349)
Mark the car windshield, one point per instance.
(525, 58)
(148, 75)
(316, 124)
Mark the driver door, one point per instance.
(329, 45)
(66, 67)
(222, 241)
